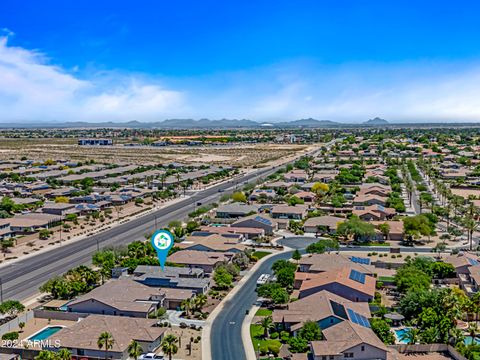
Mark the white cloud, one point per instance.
(33, 89)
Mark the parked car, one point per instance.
(151, 356)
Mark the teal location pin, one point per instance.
(162, 241)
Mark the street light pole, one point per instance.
(1, 290)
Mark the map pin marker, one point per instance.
(162, 241)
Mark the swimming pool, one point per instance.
(468, 340)
(45, 333)
(400, 334)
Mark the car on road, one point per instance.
(151, 356)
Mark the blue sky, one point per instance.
(264, 60)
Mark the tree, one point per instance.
(322, 246)
(64, 354)
(223, 280)
(356, 228)
(297, 344)
(46, 355)
(44, 234)
(62, 199)
(285, 277)
(416, 226)
(267, 324)
(310, 331)
(21, 325)
(382, 329)
(385, 230)
(11, 307)
(239, 196)
(296, 255)
(105, 341)
(295, 200)
(134, 350)
(169, 345)
(409, 278)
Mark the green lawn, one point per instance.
(263, 312)
(261, 254)
(386, 278)
(256, 334)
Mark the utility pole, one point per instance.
(1, 290)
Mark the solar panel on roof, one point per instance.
(263, 220)
(338, 309)
(358, 319)
(473, 262)
(359, 260)
(357, 276)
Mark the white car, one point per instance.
(150, 356)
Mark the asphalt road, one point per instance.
(21, 279)
(226, 334)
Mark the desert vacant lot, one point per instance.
(239, 155)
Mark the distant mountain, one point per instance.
(376, 122)
(206, 124)
(308, 123)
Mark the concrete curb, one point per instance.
(246, 339)
(206, 332)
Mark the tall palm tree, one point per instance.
(475, 299)
(134, 350)
(169, 345)
(105, 340)
(470, 226)
(267, 324)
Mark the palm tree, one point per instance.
(470, 225)
(64, 354)
(134, 350)
(411, 336)
(105, 340)
(472, 331)
(475, 299)
(186, 305)
(267, 324)
(169, 345)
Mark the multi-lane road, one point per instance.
(21, 279)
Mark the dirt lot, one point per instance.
(239, 155)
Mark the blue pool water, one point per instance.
(468, 340)
(45, 333)
(400, 333)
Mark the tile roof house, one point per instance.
(322, 224)
(213, 242)
(349, 340)
(205, 260)
(122, 297)
(324, 307)
(25, 223)
(187, 278)
(318, 263)
(81, 338)
(246, 232)
(346, 282)
(373, 212)
(258, 221)
(289, 212)
(235, 210)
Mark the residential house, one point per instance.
(347, 340)
(235, 210)
(306, 196)
(324, 307)
(258, 221)
(373, 212)
(81, 337)
(31, 222)
(346, 282)
(205, 260)
(322, 224)
(60, 209)
(289, 212)
(213, 242)
(187, 278)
